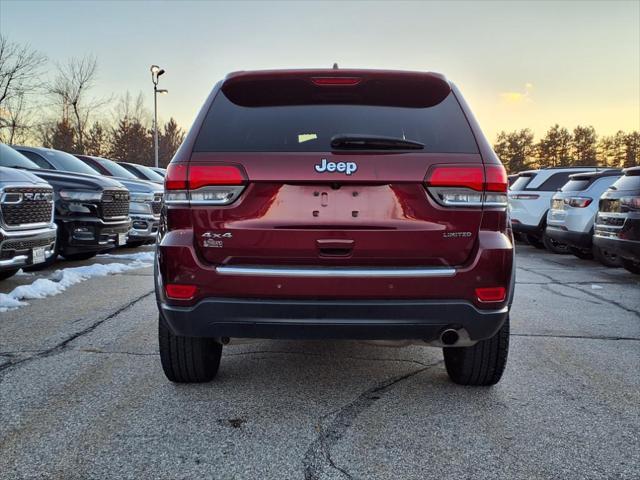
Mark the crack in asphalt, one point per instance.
(546, 287)
(319, 452)
(584, 337)
(312, 354)
(599, 297)
(4, 368)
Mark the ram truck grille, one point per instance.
(26, 205)
(115, 204)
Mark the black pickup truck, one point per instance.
(92, 212)
(27, 230)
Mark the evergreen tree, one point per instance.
(62, 136)
(584, 146)
(554, 150)
(96, 141)
(131, 142)
(515, 149)
(169, 139)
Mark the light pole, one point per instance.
(156, 71)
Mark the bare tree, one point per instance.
(71, 88)
(20, 76)
(15, 120)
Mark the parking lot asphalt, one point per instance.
(82, 394)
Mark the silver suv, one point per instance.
(573, 211)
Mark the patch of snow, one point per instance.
(596, 287)
(60, 280)
(140, 256)
(22, 273)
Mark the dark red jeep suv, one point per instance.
(335, 204)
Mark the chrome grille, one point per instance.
(26, 206)
(156, 205)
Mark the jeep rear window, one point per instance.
(628, 182)
(230, 127)
(521, 182)
(577, 185)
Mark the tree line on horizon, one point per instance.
(55, 108)
(560, 147)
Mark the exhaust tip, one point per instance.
(449, 337)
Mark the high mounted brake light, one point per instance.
(343, 81)
(468, 185)
(203, 184)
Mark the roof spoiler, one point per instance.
(330, 86)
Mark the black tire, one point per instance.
(534, 241)
(606, 258)
(188, 359)
(4, 274)
(630, 265)
(554, 246)
(79, 256)
(581, 254)
(481, 364)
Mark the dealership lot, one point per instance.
(82, 394)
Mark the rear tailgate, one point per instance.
(379, 215)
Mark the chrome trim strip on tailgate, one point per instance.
(338, 272)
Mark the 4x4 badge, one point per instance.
(343, 167)
(214, 240)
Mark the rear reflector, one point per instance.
(180, 292)
(491, 294)
(344, 81)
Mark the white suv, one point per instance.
(573, 211)
(530, 198)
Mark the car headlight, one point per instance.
(141, 197)
(81, 195)
(139, 207)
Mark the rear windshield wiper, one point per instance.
(373, 142)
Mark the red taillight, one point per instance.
(495, 178)
(344, 81)
(203, 184)
(632, 203)
(213, 175)
(491, 294)
(176, 177)
(451, 176)
(468, 185)
(179, 291)
(578, 202)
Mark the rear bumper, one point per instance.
(629, 249)
(573, 239)
(523, 228)
(331, 319)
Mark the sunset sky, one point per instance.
(519, 64)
